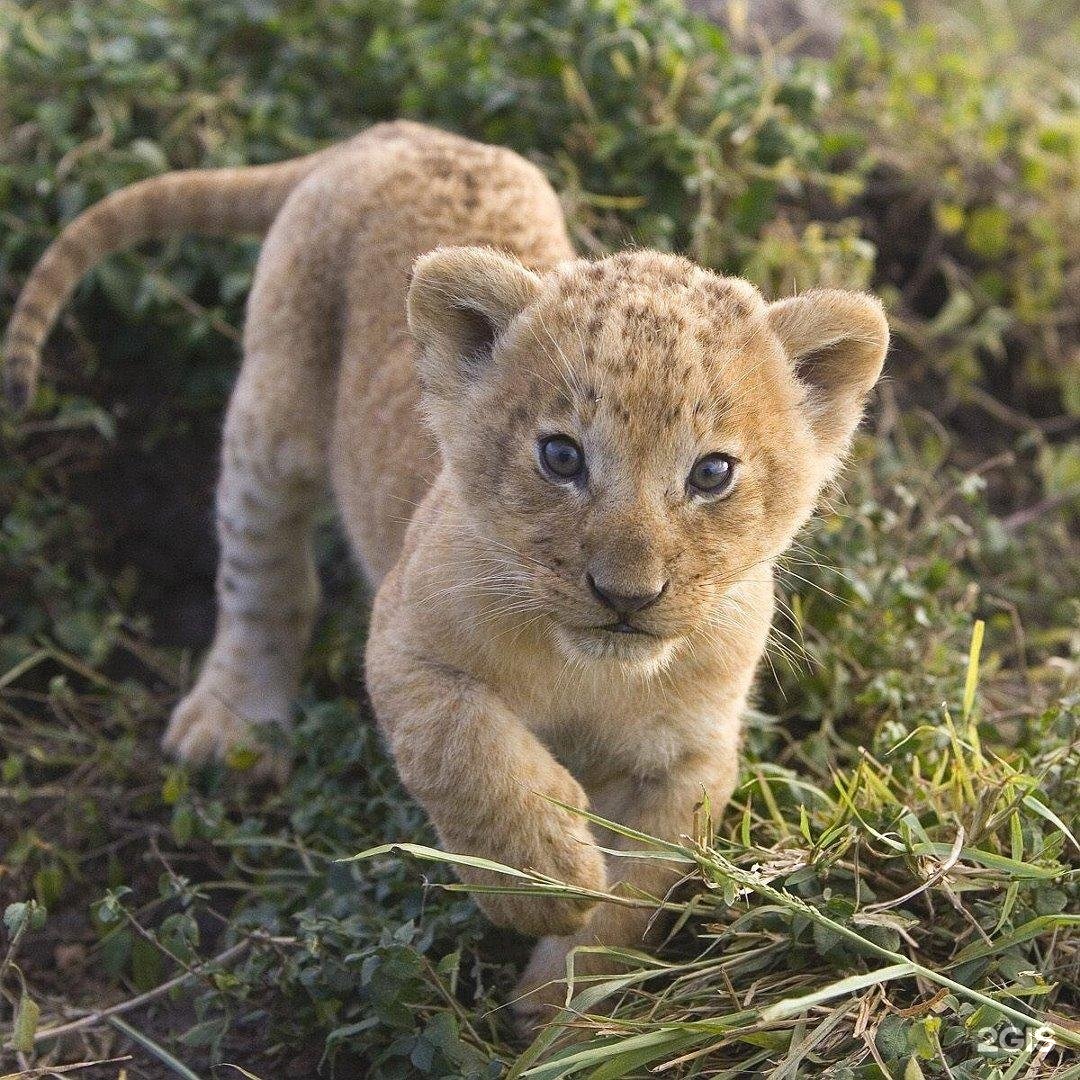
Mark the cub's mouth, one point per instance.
(624, 626)
(621, 641)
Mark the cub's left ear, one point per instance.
(837, 343)
(461, 300)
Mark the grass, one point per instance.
(894, 879)
(893, 890)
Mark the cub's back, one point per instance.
(354, 229)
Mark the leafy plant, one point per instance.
(975, 136)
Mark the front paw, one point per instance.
(575, 860)
(540, 993)
(204, 727)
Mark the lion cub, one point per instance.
(569, 480)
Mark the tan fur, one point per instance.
(492, 678)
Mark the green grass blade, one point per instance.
(972, 681)
(784, 1010)
(430, 854)
(1044, 811)
(1043, 924)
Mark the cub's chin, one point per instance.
(638, 652)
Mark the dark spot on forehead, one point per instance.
(562, 401)
(728, 297)
(673, 273)
(440, 166)
(619, 409)
(704, 336)
(472, 199)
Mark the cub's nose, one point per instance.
(624, 603)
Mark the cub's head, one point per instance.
(634, 437)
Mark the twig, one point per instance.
(178, 296)
(98, 1015)
(151, 1047)
(63, 1070)
(1037, 510)
(1054, 425)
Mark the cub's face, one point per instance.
(635, 437)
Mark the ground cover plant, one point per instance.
(894, 890)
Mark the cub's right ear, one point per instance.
(461, 300)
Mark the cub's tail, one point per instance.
(214, 202)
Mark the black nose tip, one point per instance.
(624, 603)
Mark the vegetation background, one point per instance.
(894, 891)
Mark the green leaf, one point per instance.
(16, 916)
(27, 1015)
(987, 231)
(913, 1070)
(1035, 928)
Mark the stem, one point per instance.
(8, 964)
(97, 1016)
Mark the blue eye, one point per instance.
(712, 475)
(561, 458)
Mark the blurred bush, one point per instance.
(925, 158)
(972, 119)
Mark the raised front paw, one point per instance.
(574, 860)
(558, 844)
(205, 727)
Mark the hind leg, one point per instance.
(267, 590)
(273, 475)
